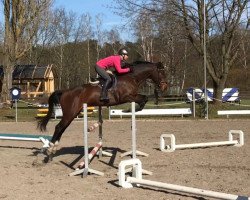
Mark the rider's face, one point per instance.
(125, 57)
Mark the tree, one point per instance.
(87, 33)
(113, 36)
(21, 23)
(63, 25)
(223, 19)
(99, 35)
(224, 22)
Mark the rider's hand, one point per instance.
(131, 68)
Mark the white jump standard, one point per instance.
(134, 150)
(137, 180)
(173, 146)
(83, 167)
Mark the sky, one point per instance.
(94, 7)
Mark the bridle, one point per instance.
(160, 83)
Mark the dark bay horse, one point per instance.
(126, 90)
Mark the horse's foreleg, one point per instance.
(141, 100)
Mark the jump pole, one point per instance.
(137, 180)
(173, 146)
(97, 149)
(45, 139)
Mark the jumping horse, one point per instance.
(125, 90)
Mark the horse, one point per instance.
(125, 90)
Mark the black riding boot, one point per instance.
(104, 93)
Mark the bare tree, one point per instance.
(145, 30)
(21, 23)
(99, 35)
(87, 32)
(63, 25)
(46, 36)
(113, 37)
(223, 20)
(1, 33)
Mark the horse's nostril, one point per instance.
(163, 86)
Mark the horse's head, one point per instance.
(159, 76)
(146, 70)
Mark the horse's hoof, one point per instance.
(48, 159)
(39, 160)
(48, 156)
(126, 111)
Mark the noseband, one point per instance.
(160, 83)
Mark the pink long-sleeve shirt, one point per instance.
(112, 61)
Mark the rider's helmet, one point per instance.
(123, 52)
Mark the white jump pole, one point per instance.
(133, 132)
(190, 190)
(137, 180)
(85, 134)
(26, 137)
(173, 146)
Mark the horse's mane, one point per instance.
(158, 64)
(141, 62)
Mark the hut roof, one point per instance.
(26, 72)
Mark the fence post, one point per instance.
(193, 103)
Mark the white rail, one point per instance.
(156, 112)
(173, 146)
(129, 182)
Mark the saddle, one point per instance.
(100, 81)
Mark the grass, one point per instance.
(25, 113)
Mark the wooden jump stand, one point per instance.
(96, 150)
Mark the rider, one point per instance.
(114, 61)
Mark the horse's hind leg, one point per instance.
(59, 129)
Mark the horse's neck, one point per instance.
(142, 75)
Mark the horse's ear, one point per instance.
(159, 65)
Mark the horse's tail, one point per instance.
(53, 100)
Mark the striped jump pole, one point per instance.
(93, 126)
(83, 166)
(173, 146)
(129, 182)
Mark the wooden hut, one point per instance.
(34, 80)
